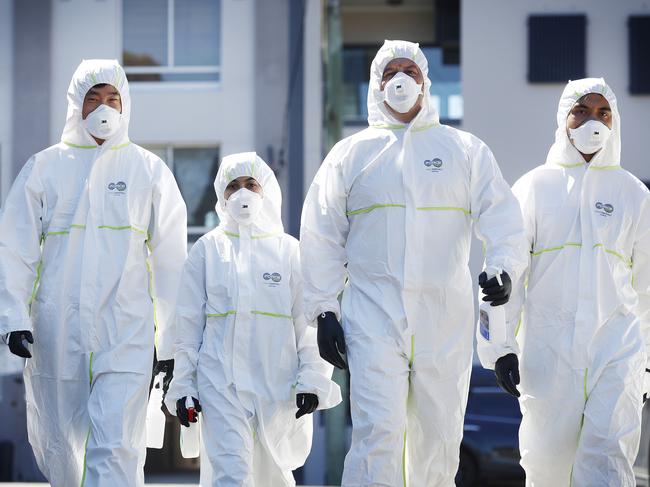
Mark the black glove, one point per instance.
(495, 294)
(507, 371)
(307, 403)
(166, 366)
(331, 340)
(16, 345)
(184, 415)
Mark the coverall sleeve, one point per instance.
(641, 272)
(498, 224)
(314, 373)
(21, 230)
(167, 252)
(190, 325)
(323, 235)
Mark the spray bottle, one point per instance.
(492, 319)
(191, 436)
(155, 417)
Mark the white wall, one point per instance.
(81, 29)
(517, 119)
(6, 69)
(313, 108)
(163, 113)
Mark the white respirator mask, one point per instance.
(401, 92)
(590, 137)
(244, 205)
(103, 122)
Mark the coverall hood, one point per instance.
(89, 73)
(562, 151)
(378, 115)
(269, 219)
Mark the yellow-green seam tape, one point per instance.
(66, 232)
(254, 237)
(603, 168)
(152, 295)
(571, 166)
(368, 209)
(83, 478)
(121, 146)
(125, 227)
(521, 319)
(39, 270)
(90, 379)
(220, 315)
(628, 262)
(553, 249)
(272, 315)
(388, 126)
(425, 127)
(77, 146)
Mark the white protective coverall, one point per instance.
(92, 244)
(584, 331)
(243, 347)
(392, 210)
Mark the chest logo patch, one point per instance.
(117, 188)
(433, 165)
(604, 209)
(272, 279)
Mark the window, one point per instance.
(194, 169)
(171, 40)
(556, 48)
(445, 92)
(639, 52)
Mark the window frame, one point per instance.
(535, 25)
(169, 68)
(362, 122)
(636, 86)
(168, 148)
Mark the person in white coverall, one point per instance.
(392, 209)
(92, 244)
(585, 325)
(244, 351)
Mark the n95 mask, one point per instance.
(401, 92)
(103, 122)
(244, 205)
(590, 137)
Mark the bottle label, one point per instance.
(484, 325)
